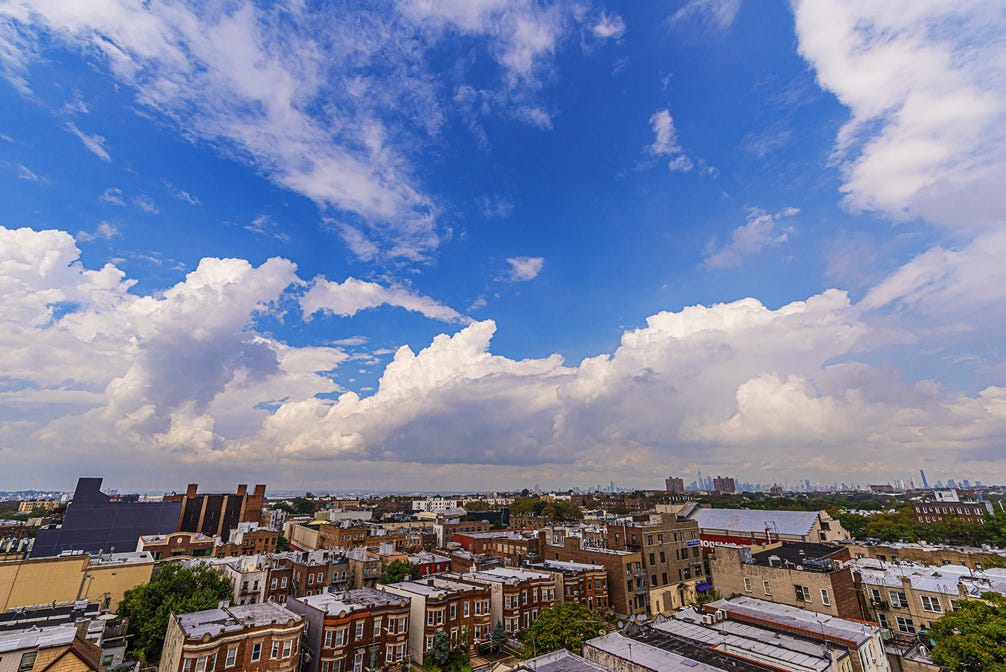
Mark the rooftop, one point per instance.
(508, 575)
(756, 521)
(812, 557)
(565, 566)
(561, 661)
(663, 652)
(437, 586)
(37, 638)
(234, 619)
(811, 622)
(933, 579)
(361, 599)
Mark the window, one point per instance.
(232, 656)
(256, 652)
(358, 662)
(430, 618)
(287, 648)
(275, 651)
(326, 666)
(282, 582)
(932, 604)
(953, 605)
(747, 585)
(329, 634)
(765, 587)
(906, 625)
(825, 598)
(310, 579)
(377, 628)
(663, 558)
(649, 540)
(468, 608)
(454, 612)
(898, 599)
(802, 593)
(653, 580)
(652, 559)
(186, 664)
(429, 642)
(875, 594)
(340, 636)
(882, 619)
(663, 577)
(359, 630)
(660, 539)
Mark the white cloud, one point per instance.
(609, 26)
(188, 198)
(713, 14)
(762, 230)
(495, 206)
(665, 142)
(352, 295)
(264, 225)
(922, 81)
(104, 231)
(25, 173)
(113, 196)
(146, 204)
(525, 268)
(94, 143)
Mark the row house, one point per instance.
(628, 593)
(364, 567)
(445, 603)
(446, 529)
(513, 547)
(313, 572)
(517, 596)
(247, 539)
(583, 583)
(671, 555)
(354, 630)
(465, 561)
(815, 577)
(61, 647)
(345, 536)
(908, 599)
(429, 563)
(929, 554)
(262, 637)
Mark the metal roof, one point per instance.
(37, 638)
(748, 520)
(810, 622)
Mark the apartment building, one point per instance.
(354, 630)
(929, 554)
(953, 503)
(808, 576)
(61, 647)
(247, 539)
(364, 568)
(671, 554)
(253, 638)
(579, 582)
(674, 485)
(435, 504)
(628, 593)
(445, 603)
(465, 561)
(909, 598)
(177, 545)
(429, 563)
(312, 572)
(517, 596)
(513, 547)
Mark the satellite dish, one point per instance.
(621, 625)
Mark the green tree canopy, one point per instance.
(972, 638)
(396, 571)
(174, 588)
(563, 625)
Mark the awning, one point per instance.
(703, 587)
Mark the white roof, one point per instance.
(747, 520)
(795, 617)
(933, 579)
(37, 638)
(647, 656)
(234, 619)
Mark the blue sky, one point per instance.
(411, 244)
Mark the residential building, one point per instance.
(909, 598)
(513, 547)
(953, 503)
(364, 568)
(354, 630)
(628, 593)
(429, 563)
(247, 539)
(263, 637)
(929, 554)
(444, 603)
(62, 648)
(313, 572)
(583, 583)
(517, 596)
(446, 530)
(755, 527)
(97, 523)
(435, 504)
(103, 579)
(215, 515)
(38, 505)
(671, 555)
(674, 485)
(177, 545)
(808, 576)
(723, 485)
(466, 561)
(558, 661)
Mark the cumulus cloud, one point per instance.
(762, 230)
(352, 295)
(525, 268)
(927, 126)
(665, 142)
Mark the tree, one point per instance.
(396, 571)
(441, 648)
(563, 625)
(282, 544)
(972, 638)
(174, 589)
(497, 638)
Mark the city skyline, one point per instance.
(408, 245)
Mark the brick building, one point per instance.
(929, 554)
(809, 576)
(758, 528)
(253, 638)
(429, 563)
(215, 515)
(446, 604)
(959, 504)
(517, 596)
(353, 630)
(247, 539)
(583, 583)
(724, 485)
(62, 648)
(513, 547)
(627, 591)
(177, 545)
(674, 485)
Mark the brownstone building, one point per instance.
(627, 590)
(355, 630)
(805, 575)
(583, 583)
(252, 638)
(248, 539)
(215, 515)
(518, 596)
(513, 547)
(444, 603)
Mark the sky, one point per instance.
(476, 244)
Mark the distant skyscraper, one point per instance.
(807, 482)
(702, 484)
(925, 483)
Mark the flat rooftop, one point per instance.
(662, 652)
(508, 575)
(811, 557)
(568, 566)
(346, 602)
(234, 619)
(37, 638)
(561, 661)
(811, 622)
(438, 586)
